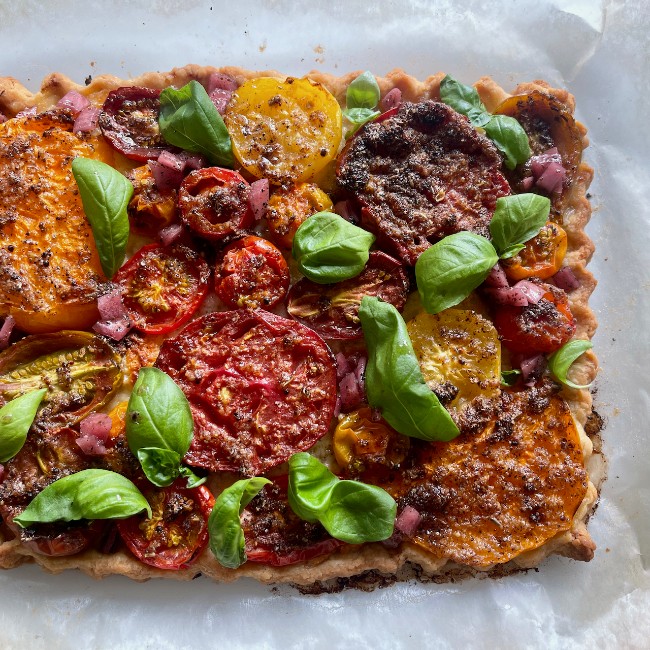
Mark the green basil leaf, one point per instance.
(360, 116)
(192, 479)
(330, 249)
(160, 466)
(394, 381)
(517, 219)
(511, 251)
(158, 414)
(447, 272)
(363, 92)
(105, 195)
(510, 138)
(89, 494)
(227, 541)
(351, 511)
(510, 377)
(561, 360)
(464, 100)
(189, 120)
(16, 417)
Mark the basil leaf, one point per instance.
(511, 251)
(160, 466)
(192, 479)
(517, 219)
(561, 360)
(464, 100)
(227, 541)
(330, 249)
(510, 138)
(510, 377)
(363, 92)
(360, 116)
(16, 417)
(105, 195)
(189, 120)
(394, 380)
(89, 494)
(447, 272)
(351, 511)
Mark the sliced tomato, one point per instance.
(540, 328)
(276, 536)
(163, 286)
(178, 530)
(252, 273)
(214, 202)
(129, 121)
(542, 256)
(333, 310)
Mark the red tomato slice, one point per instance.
(162, 287)
(275, 535)
(129, 121)
(540, 328)
(333, 310)
(252, 273)
(178, 530)
(261, 387)
(214, 202)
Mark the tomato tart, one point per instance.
(309, 330)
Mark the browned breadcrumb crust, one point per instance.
(369, 565)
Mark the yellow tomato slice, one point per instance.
(459, 355)
(284, 130)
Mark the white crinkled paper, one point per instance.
(599, 51)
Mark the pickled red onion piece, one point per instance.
(497, 277)
(115, 330)
(565, 279)
(190, 160)
(27, 111)
(408, 521)
(548, 172)
(221, 81)
(73, 101)
(5, 331)
(95, 430)
(115, 322)
(346, 210)
(533, 292)
(170, 234)
(258, 197)
(392, 99)
(532, 368)
(220, 99)
(166, 178)
(508, 296)
(86, 120)
(171, 161)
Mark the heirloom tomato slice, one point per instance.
(176, 533)
(163, 286)
(284, 130)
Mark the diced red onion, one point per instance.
(408, 521)
(27, 111)
(533, 292)
(343, 366)
(360, 374)
(220, 99)
(565, 279)
(171, 161)
(497, 277)
(91, 446)
(169, 234)
(346, 210)
(350, 393)
(527, 183)
(394, 540)
(2, 472)
(87, 120)
(508, 296)
(539, 163)
(548, 171)
(5, 331)
(95, 430)
(337, 406)
(258, 197)
(166, 178)
(110, 305)
(375, 414)
(73, 101)
(532, 368)
(115, 330)
(3, 118)
(191, 160)
(392, 99)
(221, 81)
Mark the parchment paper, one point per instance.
(599, 50)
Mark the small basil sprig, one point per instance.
(330, 249)
(227, 541)
(159, 427)
(89, 494)
(189, 120)
(506, 133)
(561, 360)
(351, 511)
(16, 417)
(510, 377)
(361, 101)
(394, 381)
(447, 272)
(105, 195)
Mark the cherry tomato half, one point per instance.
(129, 121)
(540, 328)
(162, 286)
(214, 202)
(178, 530)
(542, 256)
(252, 273)
(149, 209)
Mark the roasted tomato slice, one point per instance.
(261, 387)
(149, 209)
(214, 202)
(540, 328)
(275, 535)
(178, 530)
(251, 272)
(542, 256)
(80, 371)
(333, 310)
(129, 121)
(162, 287)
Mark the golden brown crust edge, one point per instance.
(575, 543)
